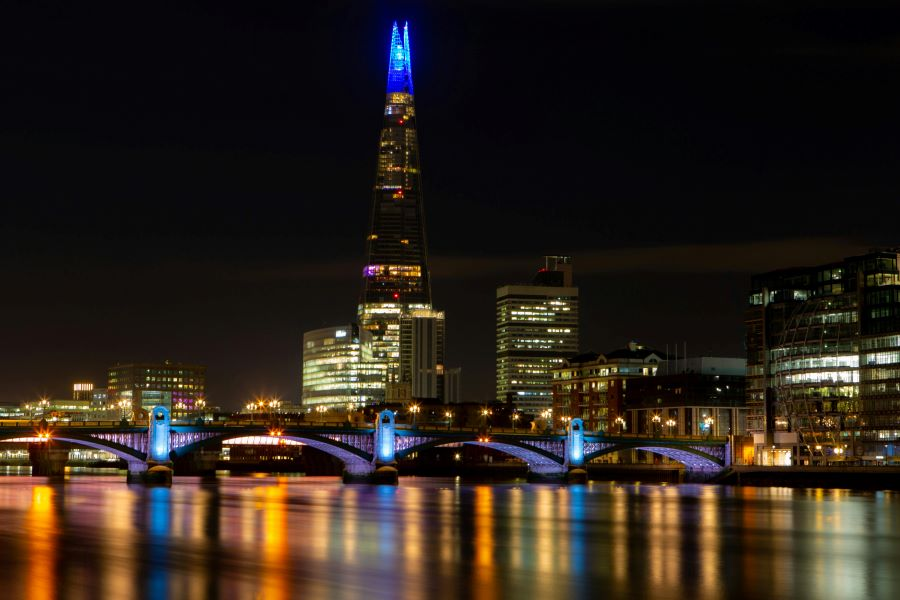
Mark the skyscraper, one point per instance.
(537, 329)
(395, 276)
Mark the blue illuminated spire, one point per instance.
(400, 65)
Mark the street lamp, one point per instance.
(656, 420)
(414, 409)
(708, 421)
(515, 419)
(621, 423)
(321, 409)
(123, 404)
(449, 416)
(670, 423)
(485, 413)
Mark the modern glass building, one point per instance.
(395, 276)
(823, 361)
(537, 330)
(422, 353)
(338, 371)
(145, 385)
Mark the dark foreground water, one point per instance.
(96, 537)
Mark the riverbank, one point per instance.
(857, 478)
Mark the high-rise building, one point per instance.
(537, 329)
(395, 276)
(145, 385)
(422, 353)
(338, 371)
(823, 361)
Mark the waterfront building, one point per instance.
(338, 370)
(823, 355)
(395, 277)
(537, 330)
(593, 386)
(135, 387)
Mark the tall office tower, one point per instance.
(395, 277)
(338, 370)
(422, 353)
(537, 329)
(823, 361)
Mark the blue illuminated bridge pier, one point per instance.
(364, 450)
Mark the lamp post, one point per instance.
(621, 423)
(123, 404)
(485, 413)
(414, 409)
(708, 421)
(514, 417)
(670, 423)
(449, 416)
(656, 424)
(321, 409)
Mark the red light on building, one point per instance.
(396, 296)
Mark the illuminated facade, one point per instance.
(823, 349)
(592, 387)
(395, 277)
(338, 370)
(537, 329)
(144, 385)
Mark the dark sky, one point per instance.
(193, 181)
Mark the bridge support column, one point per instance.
(576, 473)
(47, 461)
(383, 468)
(158, 468)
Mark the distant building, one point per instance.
(592, 386)
(145, 385)
(537, 329)
(823, 360)
(453, 386)
(338, 370)
(698, 396)
(83, 391)
(422, 353)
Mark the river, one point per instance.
(305, 537)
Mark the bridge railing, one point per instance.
(26, 423)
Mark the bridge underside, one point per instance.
(691, 459)
(537, 462)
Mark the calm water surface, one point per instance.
(96, 537)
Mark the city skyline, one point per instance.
(173, 208)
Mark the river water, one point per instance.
(304, 537)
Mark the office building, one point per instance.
(537, 330)
(83, 391)
(395, 276)
(422, 353)
(141, 386)
(338, 371)
(823, 356)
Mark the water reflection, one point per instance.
(286, 538)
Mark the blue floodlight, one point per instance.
(400, 63)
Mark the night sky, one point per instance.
(193, 181)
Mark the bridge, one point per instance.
(366, 451)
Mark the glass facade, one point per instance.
(395, 277)
(338, 370)
(537, 330)
(824, 350)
